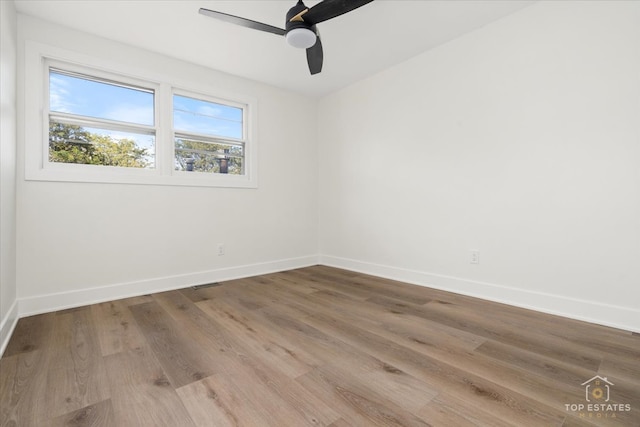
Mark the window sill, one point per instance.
(141, 177)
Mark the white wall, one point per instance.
(8, 306)
(520, 140)
(79, 243)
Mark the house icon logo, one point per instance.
(597, 393)
(597, 389)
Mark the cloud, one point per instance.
(59, 95)
(209, 111)
(131, 113)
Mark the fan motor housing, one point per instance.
(295, 10)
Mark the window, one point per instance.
(131, 125)
(209, 136)
(93, 121)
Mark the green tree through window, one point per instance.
(73, 144)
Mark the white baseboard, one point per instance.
(589, 311)
(64, 300)
(7, 325)
(574, 308)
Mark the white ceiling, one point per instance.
(356, 45)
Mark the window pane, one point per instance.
(92, 146)
(92, 98)
(198, 156)
(207, 118)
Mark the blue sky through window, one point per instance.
(91, 98)
(208, 118)
(85, 97)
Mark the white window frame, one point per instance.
(220, 139)
(98, 122)
(39, 58)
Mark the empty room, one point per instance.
(329, 213)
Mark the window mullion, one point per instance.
(164, 126)
(209, 139)
(73, 119)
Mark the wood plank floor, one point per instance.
(316, 346)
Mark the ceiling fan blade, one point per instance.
(329, 9)
(315, 55)
(242, 21)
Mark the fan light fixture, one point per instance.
(302, 38)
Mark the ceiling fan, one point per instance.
(300, 28)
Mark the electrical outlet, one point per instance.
(220, 249)
(474, 257)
